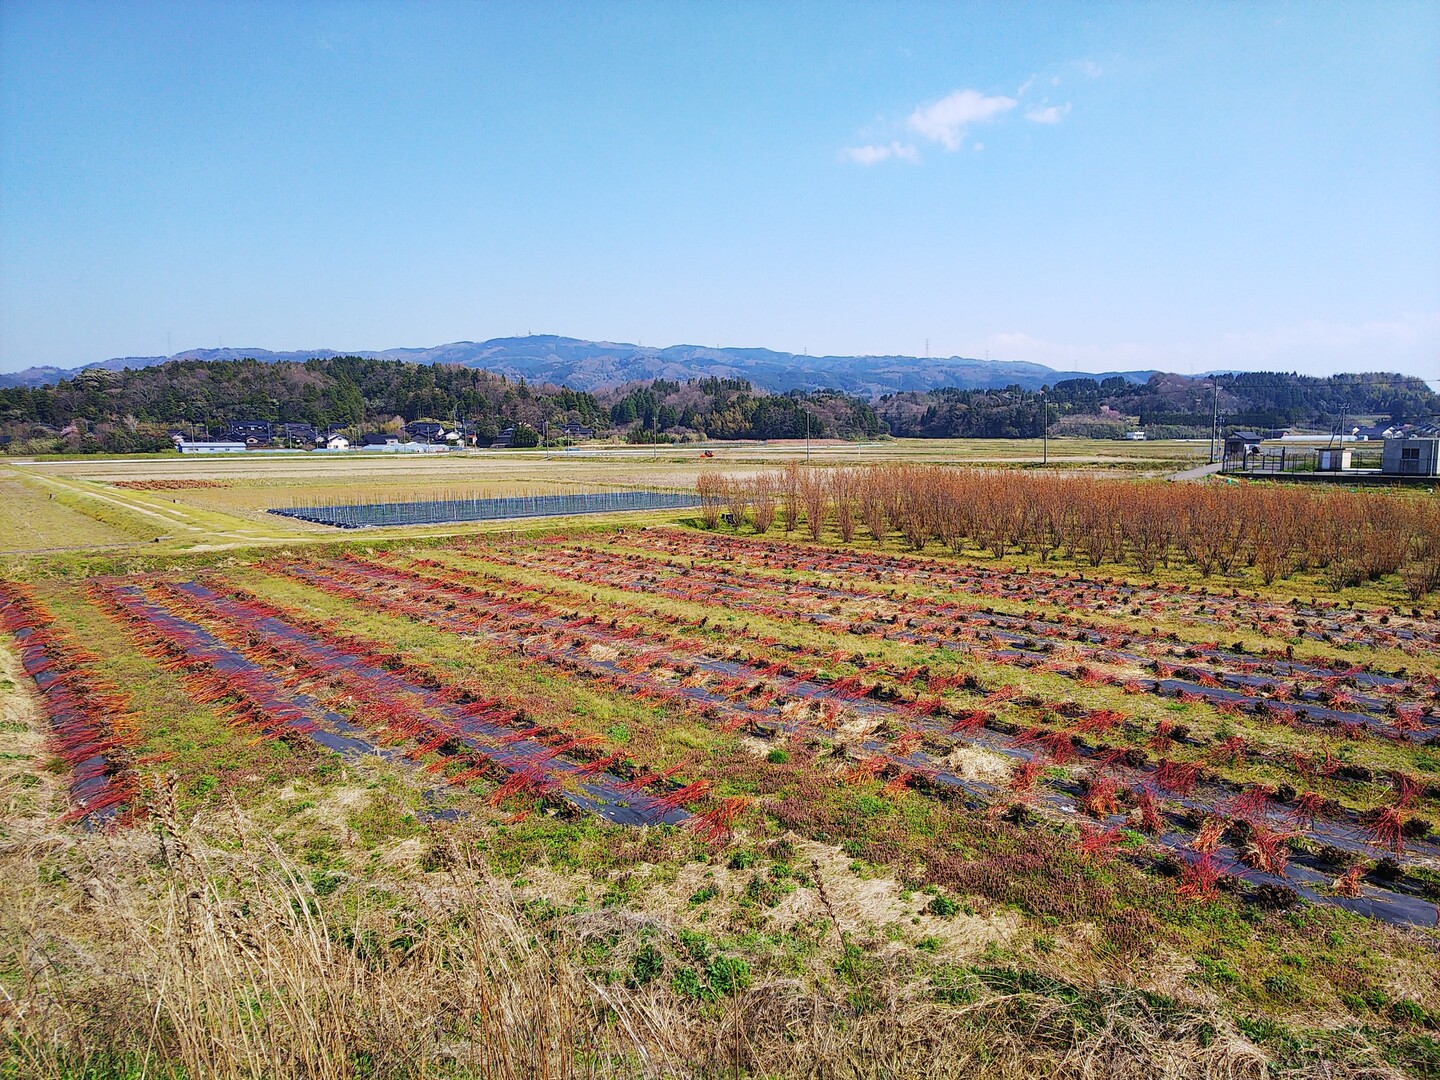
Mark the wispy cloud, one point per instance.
(948, 120)
(1047, 114)
(877, 152)
(1089, 67)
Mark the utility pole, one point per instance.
(1044, 429)
(1214, 415)
(807, 437)
(655, 431)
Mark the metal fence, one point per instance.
(452, 510)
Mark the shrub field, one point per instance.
(858, 773)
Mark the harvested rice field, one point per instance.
(695, 798)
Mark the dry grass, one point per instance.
(32, 521)
(199, 949)
(202, 948)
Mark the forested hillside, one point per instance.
(1162, 405)
(733, 409)
(132, 410)
(340, 390)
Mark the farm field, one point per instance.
(647, 797)
(223, 501)
(30, 520)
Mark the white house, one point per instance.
(337, 442)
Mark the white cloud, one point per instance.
(1048, 114)
(946, 121)
(1089, 67)
(876, 153)
(1025, 86)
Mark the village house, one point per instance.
(252, 433)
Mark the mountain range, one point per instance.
(596, 365)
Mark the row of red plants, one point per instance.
(453, 605)
(468, 732)
(93, 728)
(395, 693)
(1062, 746)
(1228, 610)
(1047, 717)
(1111, 607)
(1023, 640)
(877, 683)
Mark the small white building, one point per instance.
(409, 448)
(217, 447)
(1135, 436)
(337, 442)
(1411, 457)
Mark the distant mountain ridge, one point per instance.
(596, 365)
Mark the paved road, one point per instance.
(1198, 472)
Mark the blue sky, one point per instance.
(1092, 186)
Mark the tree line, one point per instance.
(732, 409)
(1267, 532)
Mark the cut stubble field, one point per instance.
(648, 798)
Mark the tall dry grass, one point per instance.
(204, 949)
(199, 949)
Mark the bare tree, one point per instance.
(790, 494)
(762, 501)
(815, 495)
(710, 487)
(843, 485)
(737, 498)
